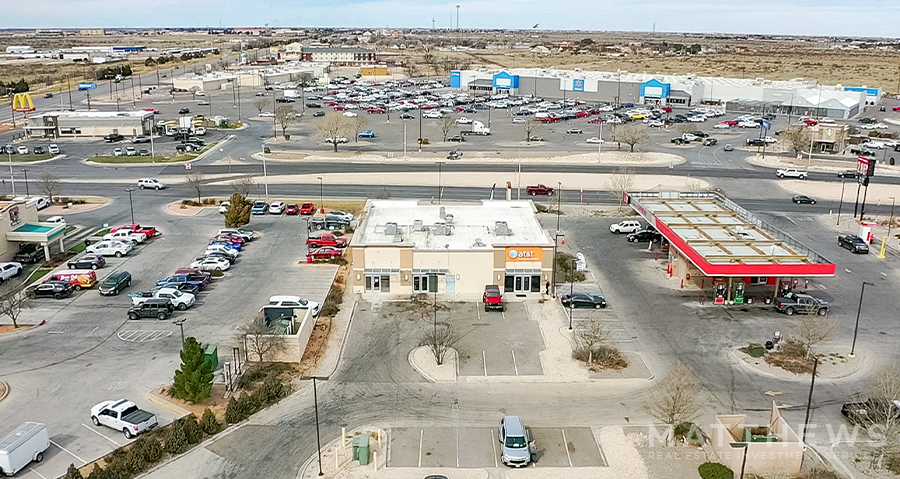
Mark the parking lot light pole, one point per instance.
(440, 169)
(131, 203)
(180, 324)
(316, 407)
(841, 204)
(571, 291)
(321, 195)
(12, 177)
(420, 131)
(265, 174)
(858, 309)
(25, 171)
(555, 247)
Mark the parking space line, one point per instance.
(89, 428)
(503, 315)
(516, 366)
(69, 452)
(484, 361)
(566, 446)
(602, 456)
(38, 473)
(421, 436)
(494, 446)
(457, 447)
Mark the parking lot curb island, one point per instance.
(156, 398)
(5, 389)
(422, 360)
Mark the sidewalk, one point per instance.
(607, 156)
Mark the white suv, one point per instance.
(294, 302)
(627, 226)
(151, 183)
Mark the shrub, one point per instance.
(822, 473)
(332, 302)
(177, 441)
(209, 424)
(217, 274)
(273, 389)
(792, 347)
(565, 266)
(73, 473)
(714, 470)
(192, 431)
(149, 447)
(236, 410)
(892, 464)
(98, 473)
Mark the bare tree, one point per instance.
(331, 127)
(620, 182)
(632, 135)
(796, 137)
(195, 181)
(813, 330)
(530, 126)
(358, 123)
(194, 90)
(439, 338)
(590, 335)
(882, 411)
(259, 338)
(49, 185)
(243, 186)
(685, 128)
(675, 399)
(260, 104)
(285, 116)
(447, 124)
(13, 299)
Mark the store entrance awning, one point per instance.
(36, 232)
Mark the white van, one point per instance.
(24, 444)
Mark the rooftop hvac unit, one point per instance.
(391, 229)
(448, 218)
(478, 242)
(417, 225)
(441, 229)
(501, 228)
(398, 238)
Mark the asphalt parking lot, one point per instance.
(497, 343)
(479, 447)
(88, 351)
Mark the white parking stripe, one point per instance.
(457, 447)
(566, 446)
(494, 445)
(38, 473)
(516, 366)
(89, 428)
(421, 436)
(69, 452)
(484, 361)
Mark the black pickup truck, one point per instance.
(801, 304)
(871, 411)
(29, 253)
(327, 224)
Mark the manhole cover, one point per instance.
(142, 336)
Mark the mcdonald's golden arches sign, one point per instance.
(22, 102)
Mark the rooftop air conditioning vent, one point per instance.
(391, 229)
(417, 225)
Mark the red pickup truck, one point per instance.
(492, 298)
(539, 190)
(327, 239)
(150, 231)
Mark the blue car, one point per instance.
(234, 246)
(367, 134)
(259, 208)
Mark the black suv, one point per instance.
(853, 243)
(644, 236)
(113, 137)
(115, 283)
(183, 111)
(87, 262)
(29, 253)
(51, 289)
(152, 308)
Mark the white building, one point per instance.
(56, 124)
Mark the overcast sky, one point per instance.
(794, 17)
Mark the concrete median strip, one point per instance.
(422, 360)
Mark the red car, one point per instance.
(460, 108)
(150, 231)
(326, 252)
(427, 107)
(596, 121)
(233, 239)
(338, 108)
(153, 110)
(729, 122)
(327, 239)
(897, 108)
(666, 109)
(580, 114)
(329, 103)
(539, 190)
(810, 122)
(307, 209)
(375, 110)
(292, 209)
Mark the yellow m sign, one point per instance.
(22, 102)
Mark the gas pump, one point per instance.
(719, 290)
(784, 287)
(739, 292)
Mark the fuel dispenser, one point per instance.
(739, 292)
(720, 290)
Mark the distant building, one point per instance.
(92, 32)
(19, 49)
(339, 55)
(56, 124)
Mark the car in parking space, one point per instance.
(110, 248)
(513, 437)
(38, 150)
(518, 120)
(269, 114)
(292, 209)
(748, 124)
(803, 199)
(219, 248)
(22, 150)
(53, 149)
(130, 151)
(407, 116)
(463, 121)
(227, 241)
(202, 103)
(535, 138)
(655, 123)
(152, 110)
(88, 261)
(285, 301)
(9, 270)
(583, 300)
(126, 235)
(212, 264)
(307, 209)
(366, 134)
(722, 126)
(853, 243)
(574, 131)
(728, 147)
(151, 183)
(349, 114)
(223, 206)
(259, 208)
(160, 308)
(848, 174)
(626, 226)
(184, 111)
(143, 152)
(118, 152)
(325, 252)
(140, 139)
(114, 283)
(432, 114)
(277, 207)
(317, 114)
(50, 289)
(594, 140)
(247, 235)
(644, 236)
(339, 215)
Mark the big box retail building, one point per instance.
(405, 247)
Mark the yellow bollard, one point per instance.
(375, 459)
(881, 253)
(343, 437)
(336, 464)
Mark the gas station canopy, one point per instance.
(723, 239)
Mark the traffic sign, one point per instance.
(87, 86)
(187, 166)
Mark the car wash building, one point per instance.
(726, 251)
(407, 247)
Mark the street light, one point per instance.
(440, 169)
(316, 406)
(131, 203)
(858, 309)
(841, 204)
(321, 195)
(555, 246)
(180, 324)
(25, 171)
(12, 177)
(571, 292)
(265, 174)
(404, 137)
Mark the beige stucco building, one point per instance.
(19, 224)
(406, 247)
(771, 448)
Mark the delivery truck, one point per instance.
(24, 444)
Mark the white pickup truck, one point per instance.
(791, 173)
(126, 235)
(123, 415)
(179, 299)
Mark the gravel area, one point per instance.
(831, 366)
(422, 360)
(556, 358)
(622, 454)
(676, 461)
(821, 164)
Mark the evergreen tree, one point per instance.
(238, 212)
(193, 382)
(73, 473)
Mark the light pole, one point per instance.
(316, 407)
(571, 291)
(841, 204)
(404, 138)
(858, 309)
(555, 247)
(321, 195)
(25, 171)
(131, 203)
(812, 384)
(558, 202)
(265, 174)
(12, 177)
(420, 131)
(440, 169)
(180, 324)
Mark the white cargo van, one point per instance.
(25, 444)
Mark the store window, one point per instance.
(522, 283)
(378, 283)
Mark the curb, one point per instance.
(171, 407)
(796, 377)
(211, 149)
(57, 157)
(428, 377)
(5, 389)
